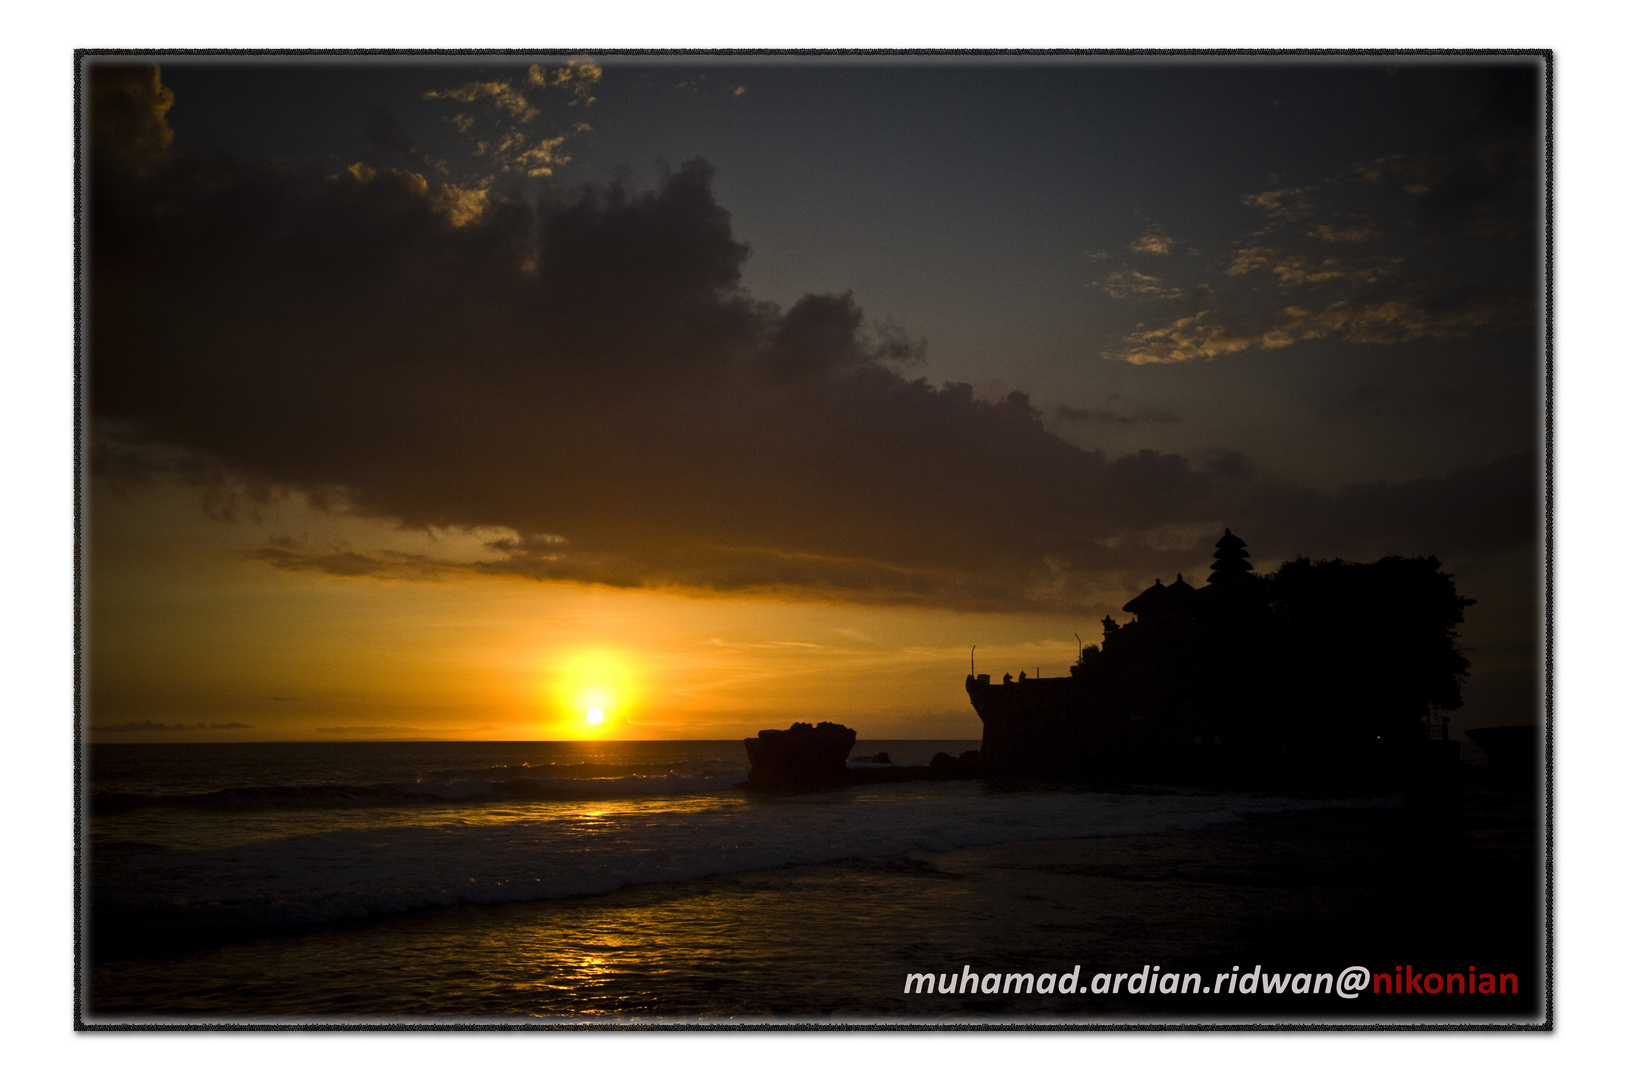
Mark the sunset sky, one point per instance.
(457, 397)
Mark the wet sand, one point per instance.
(1308, 891)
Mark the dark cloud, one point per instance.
(585, 370)
(286, 554)
(1473, 511)
(151, 725)
(1126, 284)
(1378, 400)
(1107, 416)
(1485, 183)
(128, 126)
(392, 145)
(374, 729)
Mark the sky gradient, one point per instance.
(426, 398)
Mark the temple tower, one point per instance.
(1231, 563)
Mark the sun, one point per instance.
(593, 691)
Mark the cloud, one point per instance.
(1284, 204)
(389, 731)
(500, 92)
(442, 553)
(1479, 168)
(1366, 321)
(582, 372)
(701, 83)
(1350, 229)
(459, 205)
(462, 205)
(577, 76)
(1478, 509)
(1249, 259)
(540, 158)
(150, 725)
(350, 563)
(1124, 284)
(1296, 269)
(1155, 241)
(1106, 416)
(1385, 322)
(1385, 168)
(129, 105)
(1202, 336)
(506, 138)
(517, 151)
(1449, 239)
(391, 143)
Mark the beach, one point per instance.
(1193, 883)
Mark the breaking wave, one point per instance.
(142, 888)
(510, 785)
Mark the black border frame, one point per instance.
(1546, 793)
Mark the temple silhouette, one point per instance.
(1327, 673)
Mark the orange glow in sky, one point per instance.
(188, 639)
(595, 689)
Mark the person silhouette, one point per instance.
(1007, 679)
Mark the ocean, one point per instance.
(611, 881)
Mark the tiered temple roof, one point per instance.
(1149, 601)
(1176, 604)
(1162, 603)
(1231, 560)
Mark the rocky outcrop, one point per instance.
(968, 766)
(809, 758)
(802, 758)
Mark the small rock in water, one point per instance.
(802, 758)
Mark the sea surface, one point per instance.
(212, 867)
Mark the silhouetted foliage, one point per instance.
(1320, 669)
(1371, 643)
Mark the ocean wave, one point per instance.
(586, 770)
(311, 879)
(671, 783)
(507, 787)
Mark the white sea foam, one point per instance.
(671, 783)
(557, 850)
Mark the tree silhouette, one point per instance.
(1371, 646)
